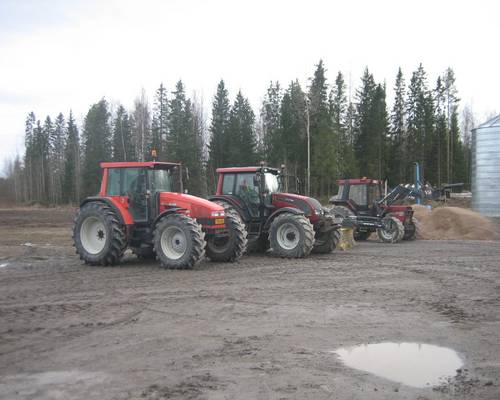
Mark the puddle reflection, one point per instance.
(414, 364)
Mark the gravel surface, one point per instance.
(263, 328)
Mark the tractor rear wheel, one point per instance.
(291, 236)
(412, 230)
(231, 247)
(99, 237)
(393, 230)
(179, 242)
(327, 242)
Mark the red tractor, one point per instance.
(290, 224)
(361, 204)
(137, 208)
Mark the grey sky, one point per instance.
(57, 54)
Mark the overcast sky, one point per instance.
(62, 54)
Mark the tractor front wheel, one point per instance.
(291, 236)
(229, 248)
(327, 242)
(98, 235)
(179, 242)
(393, 230)
(412, 230)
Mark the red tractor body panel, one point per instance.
(293, 200)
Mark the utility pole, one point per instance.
(308, 102)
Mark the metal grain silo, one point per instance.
(486, 168)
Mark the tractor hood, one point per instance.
(310, 206)
(198, 207)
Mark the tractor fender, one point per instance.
(280, 211)
(108, 202)
(172, 210)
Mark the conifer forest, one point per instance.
(353, 133)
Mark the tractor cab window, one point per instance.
(272, 182)
(160, 180)
(134, 182)
(114, 181)
(228, 184)
(373, 193)
(358, 194)
(246, 189)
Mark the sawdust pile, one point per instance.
(453, 223)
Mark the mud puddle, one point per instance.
(413, 364)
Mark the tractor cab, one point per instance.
(358, 195)
(137, 186)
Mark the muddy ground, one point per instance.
(259, 329)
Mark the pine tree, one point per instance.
(398, 146)
(271, 125)
(160, 122)
(241, 143)
(218, 146)
(56, 159)
(29, 155)
(293, 125)
(97, 146)
(345, 159)
(364, 142)
(323, 138)
(71, 182)
(123, 147)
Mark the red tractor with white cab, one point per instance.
(362, 205)
(138, 208)
(290, 224)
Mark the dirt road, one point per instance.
(263, 328)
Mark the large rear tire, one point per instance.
(291, 236)
(327, 242)
(231, 247)
(99, 237)
(179, 242)
(393, 230)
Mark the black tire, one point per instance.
(233, 246)
(179, 242)
(144, 252)
(291, 236)
(98, 236)
(412, 230)
(361, 235)
(327, 242)
(393, 231)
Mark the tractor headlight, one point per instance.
(216, 214)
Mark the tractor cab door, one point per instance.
(134, 185)
(247, 189)
(358, 197)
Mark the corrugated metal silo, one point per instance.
(486, 168)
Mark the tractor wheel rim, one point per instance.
(389, 230)
(288, 236)
(173, 242)
(93, 235)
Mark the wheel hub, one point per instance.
(173, 242)
(93, 235)
(288, 236)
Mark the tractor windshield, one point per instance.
(161, 180)
(272, 182)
